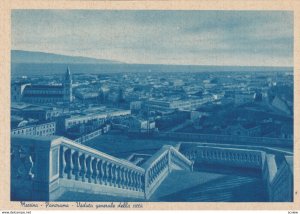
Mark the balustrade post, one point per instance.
(76, 168)
(112, 175)
(150, 176)
(63, 162)
(136, 184)
(117, 179)
(88, 169)
(125, 178)
(121, 177)
(99, 168)
(82, 166)
(104, 166)
(95, 171)
(107, 173)
(71, 164)
(139, 181)
(131, 178)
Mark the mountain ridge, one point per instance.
(22, 56)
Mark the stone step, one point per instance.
(77, 196)
(208, 186)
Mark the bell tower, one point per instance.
(67, 84)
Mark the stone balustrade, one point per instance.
(213, 138)
(81, 163)
(44, 168)
(179, 159)
(278, 179)
(225, 156)
(160, 165)
(51, 166)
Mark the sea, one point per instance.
(33, 69)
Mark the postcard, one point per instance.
(149, 105)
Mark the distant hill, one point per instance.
(20, 56)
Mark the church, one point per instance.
(41, 94)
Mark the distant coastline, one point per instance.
(39, 63)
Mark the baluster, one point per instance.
(124, 179)
(158, 168)
(63, 162)
(108, 173)
(71, 165)
(135, 181)
(104, 172)
(131, 175)
(127, 179)
(107, 180)
(138, 181)
(156, 171)
(88, 169)
(112, 175)
(121, 177)
(130, 181)
(117, 180)
(100, 174)
(82, 166)
(151, 175)
(166, 161)
(160, 165)
(94, 169)
(76, 168)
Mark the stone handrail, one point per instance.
(45, 162)
(278, 179)
(88, 165)
(159, 166)
(180, 159)
(50, 166)
(225, 156)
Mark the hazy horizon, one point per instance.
(209, 65)
(218, 38)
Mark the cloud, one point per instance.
(187, 37)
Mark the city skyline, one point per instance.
(240, 38)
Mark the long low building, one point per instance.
(44, 129)
(74, 120)
(186, 104)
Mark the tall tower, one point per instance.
(67, 84)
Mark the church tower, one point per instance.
(67, 84)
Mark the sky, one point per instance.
(234, 38)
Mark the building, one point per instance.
(186, 104)
(44, 93)
(41, 113)
(97, 118)
(17, 90)
(44, 129)
(141, 125)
